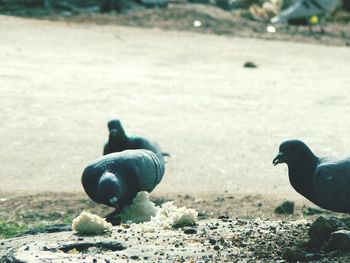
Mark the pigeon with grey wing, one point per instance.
(116, 178)
(119, 141)
(323, 181)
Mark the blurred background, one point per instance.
(218, 84)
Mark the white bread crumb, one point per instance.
(140, 210)
(90, 224)
(164, 217)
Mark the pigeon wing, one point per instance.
(331, 185)
(90, 179)
(143, 143)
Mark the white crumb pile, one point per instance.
(140, 210)
(169, 216)
(90, 224)
(153, 217)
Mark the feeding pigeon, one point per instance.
(118, 141)
(116, 178)
(324, 181)
(303, 10)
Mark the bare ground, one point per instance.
(61, 82)
(221, 123)
(334, 30)
(55, 208)
(209, 241)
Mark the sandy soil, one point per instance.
(213, 20)
(222, 123)
(214, 240)
(209, 241)
(58, 208)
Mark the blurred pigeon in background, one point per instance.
(154, 3)
(118, 141)
(323, 181)
(124, 5)
(305, 10)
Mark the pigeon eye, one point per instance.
(292, 148)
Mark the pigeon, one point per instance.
(116, 178)
(303, 10)
(118, 141)
(323, 181)
(154, 3)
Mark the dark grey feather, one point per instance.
(135, 170)
(331, 185)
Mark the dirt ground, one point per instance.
(221, 123)
(209, 241)
(56, 208)
(60, 82)
(333, 30)
(181, 15)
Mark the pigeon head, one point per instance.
(115, 129)
(292, 151)
(301, 164)
(110, 189)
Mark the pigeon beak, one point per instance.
(278, 159)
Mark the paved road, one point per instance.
(222, 123)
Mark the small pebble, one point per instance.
(250, 64)
(286, 208)
(190, 230)
(212, 241)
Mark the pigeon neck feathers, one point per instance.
(120, 138)
(118, 143)
(301, 173)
